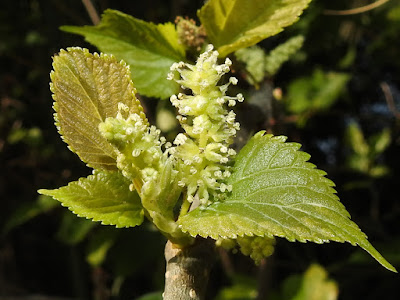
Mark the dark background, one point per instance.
(40, 254)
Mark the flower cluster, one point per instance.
(139, 153)
(204, 149)
(202, 155)
(256, 247)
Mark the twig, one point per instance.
(389, 99)
(94, 16)
(354, 11)
(188, 270)
(264, 278)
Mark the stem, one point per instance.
(390, 99)
(264, 278)
(91, 11)
(188, 270)
(355, 11)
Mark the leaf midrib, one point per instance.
(242, 178)
(249, 195)
(80, 83)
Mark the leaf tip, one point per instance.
(367, 246)
(42, 191)
(45, 192)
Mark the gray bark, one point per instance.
(188, 270)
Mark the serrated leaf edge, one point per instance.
(364, 243)
(95, 219)
(109, 58)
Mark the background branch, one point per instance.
(354, 11)
(94, 16)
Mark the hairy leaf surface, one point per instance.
(276, 192)
(235, 24)
(148, 48)
(104, 196)
(87, 89)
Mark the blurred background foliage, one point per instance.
(337, 92)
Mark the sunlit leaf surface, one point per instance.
(87, 89)
(276, 192)
(235, 24)
(103, 197)
(148, 48)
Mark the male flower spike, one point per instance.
(203, 151)
(201, 156)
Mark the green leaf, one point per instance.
(316, 92)
(356, 140)
(393, 14)
(254, 59)
(235, 24)
(242, 288)
(73, 230)
(28, 211)
(282, 53)
(103, 196)
(314, 285)
(99, 243)
(258, 64)
(151, 296)
(276, 192)
(380, 142)
(148, 48)
(87, 89)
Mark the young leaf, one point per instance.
(276, 192)
(243, 288)
(28, 211)
(282, 53)
(103, 196)
(87, 89)
(317, 92)
(73, 229)
(99, 244)
(314, 285)
(148, 48)
(254, 59)
(235, 24)
(380, 142)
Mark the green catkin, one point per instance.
(204, 149)
(139, 152)
(256, 247)
(202, 154)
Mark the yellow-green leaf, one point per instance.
(87, 89)
(235, 24)
(103, 196)
(314, 285)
